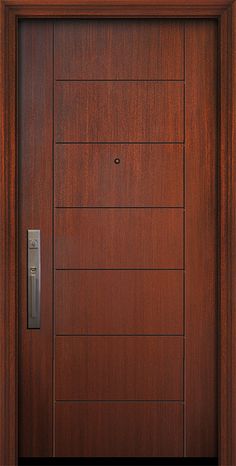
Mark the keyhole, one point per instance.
(117, 161)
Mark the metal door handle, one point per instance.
(33, 292)
(34, 279)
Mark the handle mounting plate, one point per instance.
(34, 279)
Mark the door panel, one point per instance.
(119, 111)
(118, 302)
(119, 429)
(200, 249)
(119, 368)
(119, 49)
(35, 211)
(118, 169)
(118, 238)
(116, 175)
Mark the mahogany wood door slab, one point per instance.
(118, 170)
(148, 175)
(119, 50)
(105, 367)
(36, 210)
(132, 238)
(154, 299)
(120, 111)
(121, 429)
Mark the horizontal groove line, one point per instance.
(120, 142)
(95, 269)
(122, 80)
(118, 401)
(119, 207)
(120, 335)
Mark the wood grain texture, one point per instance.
(96, 6)
(117, 9)
(6, 207)
(201, 244)
(8, 244)
(233, 164)
(118, 111)
(32, 9)
(206, 4)
(226, 447)
(119, 368)
(118, 238)
(121, 49)
(147, 175)
(119, 302)
(35, 165)
(107, 429)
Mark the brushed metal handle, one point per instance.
(33, 292)
(34, 279)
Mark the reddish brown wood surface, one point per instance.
(205, 6)
(118, 238)
(145, 175)
(35, 198)
(107, 429)
(139, 8)
(121, 111)
(8, 244)
(201, 244)
(119, 302)
(119, 49)
(233, 239)
(119, 368)
(117, 9)
(227, 120)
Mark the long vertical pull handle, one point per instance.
(34, 279)
(33, 292)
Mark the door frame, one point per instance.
(10, 13)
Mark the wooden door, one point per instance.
(118, 171)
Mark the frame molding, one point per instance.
(225, 13)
